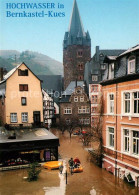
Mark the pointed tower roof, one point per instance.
(76, 26)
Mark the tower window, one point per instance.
(80, 66)
(80, 78)
(80, 53)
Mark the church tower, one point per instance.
(76, 49)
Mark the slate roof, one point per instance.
(71, 87)
(121, 66)
(94, 66)
(76, 34)
(69, 90)
(130, 50)
(112, 57)
(76, 26)
(11, 72)
(52, 83)
(111, 52)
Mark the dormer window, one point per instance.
(131, 65)
(103, 66)
(111, 70)
(94, 78)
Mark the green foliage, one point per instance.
(33, 172)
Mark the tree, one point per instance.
(70, 125)
(96, 132)
(33, 172)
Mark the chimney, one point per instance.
(97, 53)
(1, 74)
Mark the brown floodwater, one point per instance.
(92, 181)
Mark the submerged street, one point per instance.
(93, 180)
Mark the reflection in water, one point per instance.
(93, 192)
(61, 190)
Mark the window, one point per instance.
(111, 136)
(127, 102)
(80, 53)
(94, 120)
(94, 109)
(111, 71)
(83, 109)
(135, 142)
(81, 99)
(103, 66)
(67, 121)
(23, 87)
(13, 117)
(136, 102)
(126, 140)
(80, 78)
(22, 72)
(85, 121)
(111, 103)
(24, 117)
(79, 91)
(68, 110)
(23, 101)
(94, 88)
(94, 78)
(131, 103)
(80, 66)
(94, 99)
(131, 65)
(75, 99)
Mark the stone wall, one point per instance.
(71, 61)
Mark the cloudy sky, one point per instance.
(112, 24)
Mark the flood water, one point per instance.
(92, 181)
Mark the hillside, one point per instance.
(39, 63)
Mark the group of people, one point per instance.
(74, 163)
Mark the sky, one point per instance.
(112, 24)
